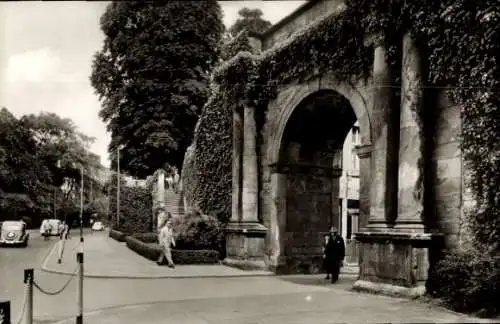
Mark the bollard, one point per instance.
(61, 249)
(79, 259)
(5, 312)
(28, 280)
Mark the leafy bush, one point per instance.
(467, 281)
(117, 235)
(197, 232)
(136, 205)
(152, 251)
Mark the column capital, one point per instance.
(374, 39)
(364, 150)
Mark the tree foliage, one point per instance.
(40, 161)
(152, 77)
(250, 20)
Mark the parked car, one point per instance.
(98, 226)
(50, 227)
(14, 233)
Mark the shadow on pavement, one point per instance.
(319, 280)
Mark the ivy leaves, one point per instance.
(461, 40)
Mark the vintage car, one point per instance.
(14, 233)
(50, 227)
(98, 226)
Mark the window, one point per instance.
(355, 135)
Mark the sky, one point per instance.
(46, 51)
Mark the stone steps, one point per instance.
(174, 203)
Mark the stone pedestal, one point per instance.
(245, 242)
(396, 263)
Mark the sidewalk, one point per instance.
(325, 306)
(105, 257)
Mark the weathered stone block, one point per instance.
(396, 260)
(245, 241)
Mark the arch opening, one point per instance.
(312, 154)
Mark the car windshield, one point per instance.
(12, 226)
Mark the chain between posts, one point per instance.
(50, 293)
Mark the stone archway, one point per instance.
(303, 152)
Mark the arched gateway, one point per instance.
(286, 186)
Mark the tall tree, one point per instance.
(251, 20)
(40, 160)
(152, 76)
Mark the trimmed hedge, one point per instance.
(117, 235)
(152, 252)
(136, 206)
(468, 281)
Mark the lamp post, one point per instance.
(81, 204)
(118, 186)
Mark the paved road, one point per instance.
(198, 300)
(13, 261)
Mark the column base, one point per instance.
(388, 289)
(378, 226)
(396, 263)
(245, 241)
(409, 227)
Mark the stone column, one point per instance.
(411, 147)
(383, 158)
(250, 196)
(237, 167)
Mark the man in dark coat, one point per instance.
(334, 254)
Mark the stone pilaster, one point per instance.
(245, 243)
(250, 205)
(237, 167)
(382, 193)
(411, 147)
(364, 154)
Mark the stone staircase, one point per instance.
(174, 203)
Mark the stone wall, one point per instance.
(447, 158)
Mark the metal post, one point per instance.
(5, 312)
(28, 280)
(81, 205)
(118, 188)
(79, 259)
(55, 215)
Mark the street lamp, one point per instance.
(81, 204)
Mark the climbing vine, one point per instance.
(208, 163)
(459, 38)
